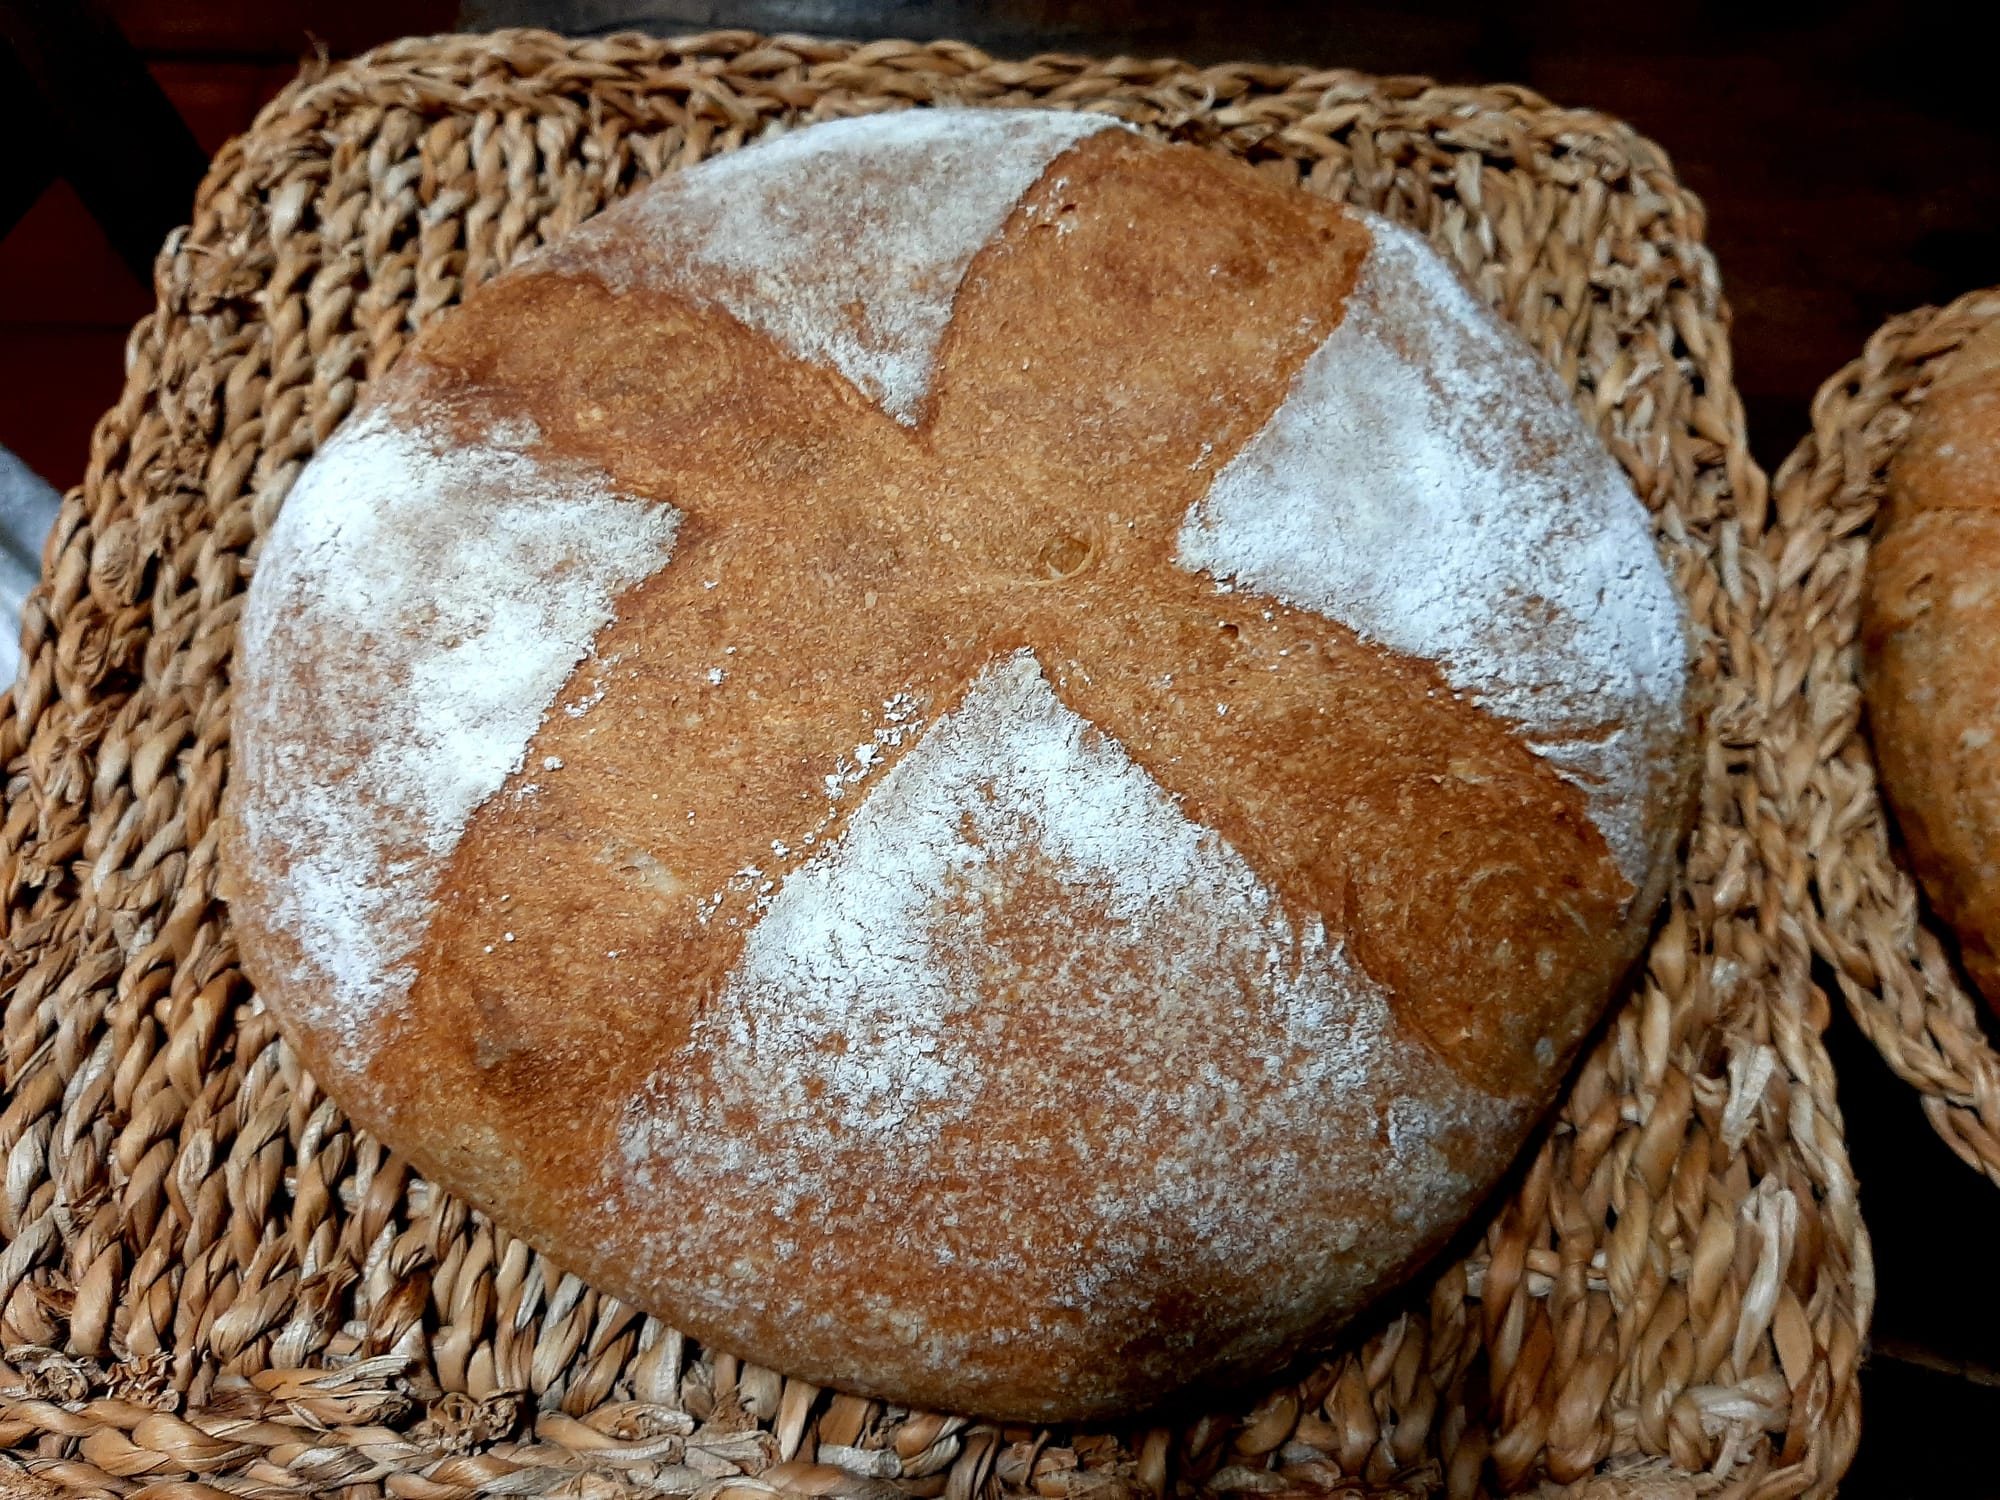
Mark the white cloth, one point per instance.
(28, 506)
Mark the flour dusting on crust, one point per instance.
(845, 242)
(1428, 484)
(444, 594)
(859, 941)
(905, 983)
(1012, 1021)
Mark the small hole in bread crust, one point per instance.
(1065, 556)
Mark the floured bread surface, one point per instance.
(845, 245)
(1099, 736)
(424, 595)
(1427, 484)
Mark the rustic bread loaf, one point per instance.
(1931, 638)
(983, 760)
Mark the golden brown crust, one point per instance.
(951, 533)
(831, 561)
(1931, 633)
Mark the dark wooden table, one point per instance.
(1849, 155)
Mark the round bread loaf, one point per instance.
(980, 759)
(1931, 641)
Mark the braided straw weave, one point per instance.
(1890, 961)
(213, 1284)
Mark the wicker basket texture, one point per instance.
(1890, 958)
(211, 1284)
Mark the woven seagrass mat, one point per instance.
(1889, 955)
(212, 1284)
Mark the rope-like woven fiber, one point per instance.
(213, 1284)
(1886, 949)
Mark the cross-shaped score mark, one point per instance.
(832, 563)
